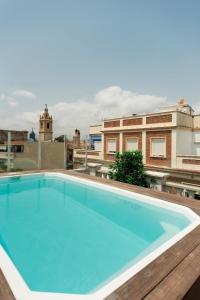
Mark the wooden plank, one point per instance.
(174, 287)
(5, 291)
(194, 291)
(187, 244)
(143, 282)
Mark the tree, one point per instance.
(128, 167)
(60, 139)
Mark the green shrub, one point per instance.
(128, 167)
(3, 168)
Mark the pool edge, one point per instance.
(97, 295)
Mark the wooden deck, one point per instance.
(170, 276)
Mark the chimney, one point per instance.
(76, 139)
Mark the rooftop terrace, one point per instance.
(170, 276)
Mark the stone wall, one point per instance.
(52, 156)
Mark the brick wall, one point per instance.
(137, 135)
(191, 161)
(110, 136)
(159, 119)
(115, 123)
(15, 135)
(134, 121)
(158, 161)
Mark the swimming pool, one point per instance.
(68, 238)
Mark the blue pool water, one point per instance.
(69, 237)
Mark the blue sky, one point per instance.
(67, 53)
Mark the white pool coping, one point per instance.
(22, 292)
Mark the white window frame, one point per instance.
(97, 144)
(107, 141)
(132, 138)
(196, 137)
(161, 155)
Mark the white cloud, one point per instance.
(28, 117)
(24, 94)
(11, 101)
(109, 102)
(116, 102)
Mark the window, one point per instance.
(97, 145)
(47, 125)
(111, 146)
(131, 144)
(3, 148)
(158, 147)
(196, 137)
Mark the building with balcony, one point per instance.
(16, 136)
(17, 140)
(169, 140)
(95, 137)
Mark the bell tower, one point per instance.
(46, 126)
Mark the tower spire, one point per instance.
(46, 126)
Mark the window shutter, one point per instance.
(158, 147)
(97, 145)
(132, 144)
(111, 145)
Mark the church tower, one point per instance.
(46, 126)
